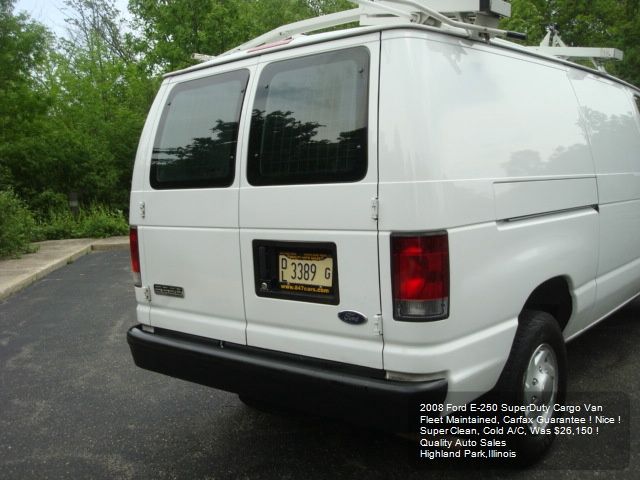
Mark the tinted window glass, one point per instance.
(196, 142)
(309, 122)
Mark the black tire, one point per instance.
(539, 333)
(252, 402)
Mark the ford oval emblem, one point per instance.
(352, 318)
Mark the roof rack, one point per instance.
(553, 45)
(475, 18)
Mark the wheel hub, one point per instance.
(541, 385)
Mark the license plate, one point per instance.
(313, 270)
(296, 271)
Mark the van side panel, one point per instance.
(474, 141)
(494, 267)
(611, 119)
(456, 117)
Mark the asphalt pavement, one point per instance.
(17, 273)
(73, 404)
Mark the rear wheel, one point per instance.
(536, 376)
(253, 403)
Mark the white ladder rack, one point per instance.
(475, 18)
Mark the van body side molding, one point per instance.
(526, 198)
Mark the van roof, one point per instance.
(302, 40)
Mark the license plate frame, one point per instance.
(271, 280)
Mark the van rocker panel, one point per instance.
(358, 394)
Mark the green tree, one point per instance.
(24, 104)
(173, 31)
(102, 97)
(71, 113)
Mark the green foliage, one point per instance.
(99, 221)
(16, 225)
(71, 112)
(103, 98)
(56, 225)
(526, 17)
(172, 31)
(96, 222)
(44, 202)
(24, 49)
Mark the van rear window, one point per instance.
(196, 142)
(309, 121)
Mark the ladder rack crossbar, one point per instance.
(581, 52)
(303, 26)
(553, 45)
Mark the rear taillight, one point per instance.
(420, 277)
(135, 256)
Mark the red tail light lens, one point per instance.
(420, 277)
(135, 256)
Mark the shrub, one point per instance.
(16, 225)
(57, 224)
(99, 221)
(94, 221)
(48, 201)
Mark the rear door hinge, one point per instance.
(374, 208)
(143, 209)
(147, 294)
(377, 324)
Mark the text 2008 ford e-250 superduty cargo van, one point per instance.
(365, 218)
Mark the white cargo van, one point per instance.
(357, 220)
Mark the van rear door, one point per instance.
(308, 231)
(189, 238)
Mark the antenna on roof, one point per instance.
(553, 45)
(475, 18)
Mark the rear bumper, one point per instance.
(357, 394)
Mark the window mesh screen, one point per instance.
(309, 122)
(198, 133)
